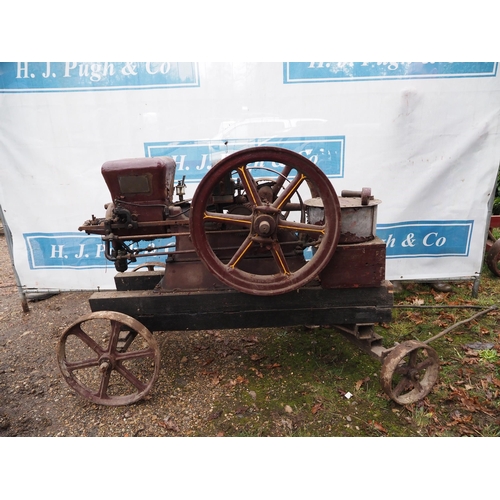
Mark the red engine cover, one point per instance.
(142, 185)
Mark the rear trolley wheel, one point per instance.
(409, 372)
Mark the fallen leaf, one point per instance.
(378, 426)
(238, 380)
(259, 374)
(169, 425)
(316, 408)
(359, 383)
(496, 381)
(288, 409)
(274, 365)
(215, 415)
(251, 338)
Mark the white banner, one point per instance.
(423, 136)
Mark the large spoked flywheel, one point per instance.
(250, 226)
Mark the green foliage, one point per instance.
(488, 355)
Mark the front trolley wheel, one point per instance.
(409, 372)
(109, 358)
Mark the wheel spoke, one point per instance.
(300, 227)
(267, 226)
(412, 359)
(423, 365)
(237, 220)
(240, 253)
(281, 179)
(409, 371)
(86, 339)
(401, 386)
(402, 370)
(103, 387)
(128, 375)
(279, 257)
(108, 381)
(116, 327)
(416, 384)
(249, 185)
(142, 353)
(80, 365)
(289, 191)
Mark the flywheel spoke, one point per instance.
(234, 219)
(281, 179)
(301, 227)
(289, 191)
(240, 253)
(280, 259)
(250, 185)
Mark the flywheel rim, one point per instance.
(266, 284)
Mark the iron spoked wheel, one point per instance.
(109, 358)
(492, 258)
(149, 266)
(409, 372)
(269, 258)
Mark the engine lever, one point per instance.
(365, 194)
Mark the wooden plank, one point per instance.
(140, 280)
(232, 309)
(357, 265)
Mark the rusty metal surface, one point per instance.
(492, 258)
(238, 261)
(267, 232)
(409, 371)
(359, 221)
(355, 266)
(358, 216)
(104, 365)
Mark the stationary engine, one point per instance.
(263, 221)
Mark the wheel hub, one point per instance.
(264, 225)
(105, 364)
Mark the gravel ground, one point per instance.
(35, 400)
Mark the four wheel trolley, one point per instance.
(264, 242)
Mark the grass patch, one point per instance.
(313, 382)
